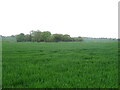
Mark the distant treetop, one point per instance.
(45, 36)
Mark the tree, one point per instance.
(66, 37)
(40, 36)
(50, 39)
(57, 37)
(46, 35)
(77, 39)
(36, 35)
(80, 38)
(20, 37)
(12, 35)
(27, 37)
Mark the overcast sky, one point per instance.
(87, 18)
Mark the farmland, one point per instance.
(87, 64)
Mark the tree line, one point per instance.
(45, 36)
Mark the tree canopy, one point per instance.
(45, 36)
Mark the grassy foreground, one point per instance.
(60, 65)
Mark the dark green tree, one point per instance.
(20, 37)
(46, 35)
(36, 36)
(27, 37)
(66, 38)
(57, 37)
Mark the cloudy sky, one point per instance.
(87, 18)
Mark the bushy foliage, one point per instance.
(46, 36)
(20, 37)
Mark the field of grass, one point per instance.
(60, 65)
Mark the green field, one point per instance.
(87, 64)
